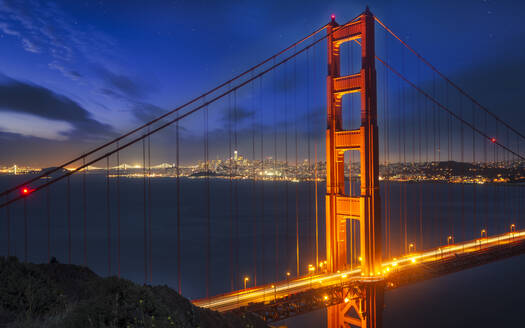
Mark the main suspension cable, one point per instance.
(450, 112)
(169, 113)
(168, 123)
(463, 92)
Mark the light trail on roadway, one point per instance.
(272, 292)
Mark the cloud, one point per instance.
(238, 115)
(124, 84)
(42, 27)
(72, 74)
(33, 126)
(30, 46)
(7, 30)
(145, 112)
(28, 99)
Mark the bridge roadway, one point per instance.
(407, 265)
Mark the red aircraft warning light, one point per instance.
(332, 17)
(26, 191)
(493, 140)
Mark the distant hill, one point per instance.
(61, 295)
(204, 174)
(55, 174)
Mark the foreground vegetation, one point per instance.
(61, 295)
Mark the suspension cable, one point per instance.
(450, 112)
(168, 123)
(463, 92)
(220, 86)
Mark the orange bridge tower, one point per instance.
(366, 300)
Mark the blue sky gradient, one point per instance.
(80, 72)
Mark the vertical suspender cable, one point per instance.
(150, 249)
(350, 186)
(387, 156)
(262, 229)
(275, 193)
(485, 158)
(439, 211)
(403, 119)
(68, 214)
(108, 216)
(389, 186)
(474, 206)
(118, 210)
(254, 201)
(495, 199)
(84, 206)
(462, 162)
(236, 187)
(25, 229)
(286, 172)
(420, 163)
(399, 154)
(434, 134)
(8, 218)
(48, 200)
(449, 168)
(518, 169)
(416, 219)
(144, 211)
(310, 191)
(230, 167)
(296, 172)
(177, 163)
(427, 155)
(316, 211)
(208, 219)
(507, 202)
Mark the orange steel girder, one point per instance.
(339, 206)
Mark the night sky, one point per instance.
(76, 73)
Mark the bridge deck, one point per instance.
(295, 296)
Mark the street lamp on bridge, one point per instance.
(483, 232)
(411, 247)
(450, 240)
(311, 268)
(246, 279)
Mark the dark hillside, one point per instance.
(61, 295)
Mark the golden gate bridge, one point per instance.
(421, 181)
